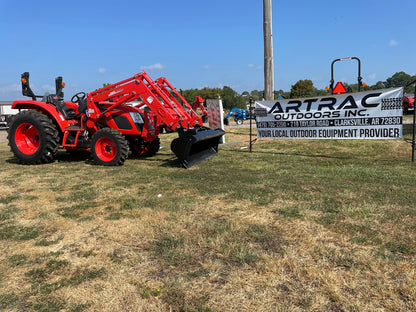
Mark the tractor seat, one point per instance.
(61, 107)
(68, 113)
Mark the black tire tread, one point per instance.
(123, 146)
(51, 136)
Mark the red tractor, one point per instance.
(104, 123)
(408, 104)
(199, 103)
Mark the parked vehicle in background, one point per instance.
(6, 114)
(239, 115)
(199, 105)
(408, 103)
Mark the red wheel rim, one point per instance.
(27, 138)
(106, 149)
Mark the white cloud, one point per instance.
(393, 43)
(207, 66)
(257, 67)
(10, 88)
(372, 76)
(156, 66)
(102, 70)
(48, 88)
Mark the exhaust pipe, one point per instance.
(196, 144)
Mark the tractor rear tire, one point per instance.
(109, 147)
(33, 137)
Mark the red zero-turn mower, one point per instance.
(103, 123)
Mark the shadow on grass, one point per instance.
(80, 156)
(172, 163)
(246, 151)
(13, 160)
(85, 157)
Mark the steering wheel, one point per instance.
(77, 97)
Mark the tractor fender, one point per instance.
(48, 109)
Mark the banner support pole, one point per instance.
(414, 121)
(414, 127)
(250, 114)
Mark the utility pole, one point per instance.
(268, 51)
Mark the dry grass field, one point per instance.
(296, 225)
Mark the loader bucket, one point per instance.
(196, 145)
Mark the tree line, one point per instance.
(302, 88)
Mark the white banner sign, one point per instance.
(366, 115)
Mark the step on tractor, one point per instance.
(105, 123)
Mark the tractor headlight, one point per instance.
(137, 118)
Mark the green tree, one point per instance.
(378, 85)
(302, 88)
(400, 79)
(189, 95)
(281, 93)
(231, 99)
(351, 87)
(257, 95)
(245, 93)
(210, 93)
(319, 92)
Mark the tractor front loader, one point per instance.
(103, 123)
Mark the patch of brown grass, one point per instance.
(294, 226)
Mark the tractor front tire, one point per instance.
(239, 121)
(33, 137)
(109, 147)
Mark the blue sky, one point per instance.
(200, 43)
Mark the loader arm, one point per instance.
(176, 98)
(195, 142)
(157, 96)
